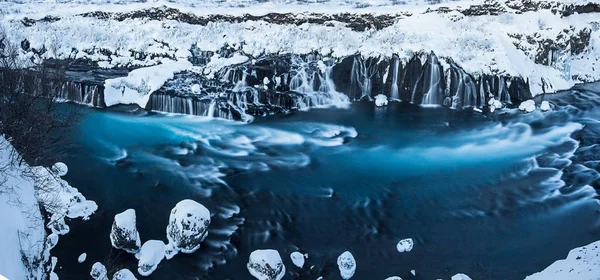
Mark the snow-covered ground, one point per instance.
(582, 263)
(24, 246)
(510, 42)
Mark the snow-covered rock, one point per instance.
(124, 274)
(582, 263)
(413, 272)
(60, 169)
(492, 108)
(527, 106)
(393, 278)
(381, 100)
(187, 228)
(266, 265)
(196, 89)
(149, 256)
(124, 234)
(545, 106)
(82, 258)
(405, 245)
(460, 276)
(98, 271)
(347, 265)
(297, 259)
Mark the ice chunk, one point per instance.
(545, 106)
(196, 89)
(124, 234)
(124, 274)
(527, 106)
(405, 245)
(82, 258)
(381, 100)
(413, 272)
(460, 276)
(151, 254)
(98, 272)
(347, 265)
(59, 169)
(188, 227)
(297, 259)
(266, 265)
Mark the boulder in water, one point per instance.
(297, 259)
(381, 100)
(149, 256)
(460, 276)
(393, 278)
(82, 258)
(266, 265)
(545, 106)
(347, 265)
(60, 169)
(188, 227)
(405, 245)
(124, 274)
(124, 234)
(527, 106)
(98, 272)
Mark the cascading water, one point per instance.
(395, 95)
(432, 80)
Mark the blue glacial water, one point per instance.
(494, 197)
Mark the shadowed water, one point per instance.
(494, 197)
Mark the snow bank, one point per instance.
(527, 106)
(151, 254)
(124, 274)
(297, 259)
(405, 245)
(140, 83)
(347, 265)
(582, 263)
(381, 100)
(460, 276)
(124, 234)
(266, 265)
(187, 228)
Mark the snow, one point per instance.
(460, 276)
(60, 169)
(151, 254)
(405, 245)
(393, 278)
(124, 234)
(98, 271)
(196, 89)
(266, 265)
(297, 259)
(582, 263)
(140, 83)
(527, 106)
(217, 63)
(187, 228)
(495, 103)
(347, 265)
(82, 258)
(381, 100)
(545, 106)
(124, 274)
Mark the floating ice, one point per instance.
(405, 245)
(124, 234)
(149, 256)
(545, 106)
(582, 263)
(266, 265)
(59, 169)
(124, 274)
(82, 258)
(381, 100)
(527, 106)
(297, 259)
(188, 227)
(98, 272)
(460, 276)
(347, 265)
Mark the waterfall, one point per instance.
(211, 109)
(395, 94)
(361, 77)
(432, 79)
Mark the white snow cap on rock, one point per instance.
(527, 106)
(59, 169)
(297, 259)
(151, 254)
(582, 263)
(381, 100)
(405, 245)
(347, 265)
(460, 276)
(124, 274)
(266, 265)
(196, 89)
(98, 272)
(545, 106)
(393, 278)
(188, 227)
(82, 258)
(124, 234)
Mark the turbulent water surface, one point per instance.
(494, 197)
